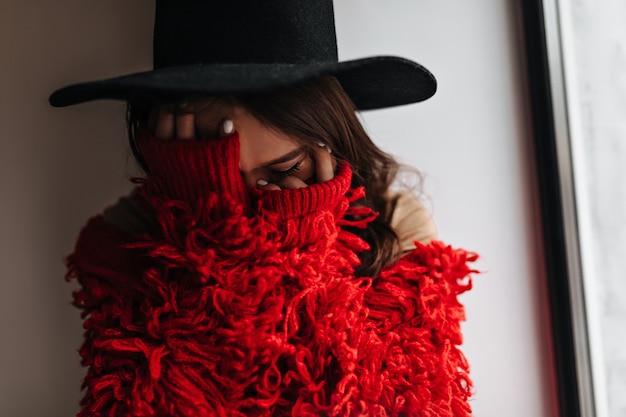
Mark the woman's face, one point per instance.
(269, 159)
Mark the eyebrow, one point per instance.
(287, 157)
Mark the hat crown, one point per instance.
(217, 47)
(190, 32)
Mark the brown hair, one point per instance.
(320, 111)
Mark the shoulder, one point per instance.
(410, 220)
(102, 248)
(101, 252)
(128, 216)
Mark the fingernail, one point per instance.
(320, 144)
(329, 150)
(228, 126)
(261, 183)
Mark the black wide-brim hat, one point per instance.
(234, 47)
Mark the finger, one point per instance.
(324, 170)
(164, 125)
(266, 186)
(185, 126)
(291, 182)
(153, 118)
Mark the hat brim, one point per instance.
(371, 83)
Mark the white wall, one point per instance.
(472, 142)
(59, 166)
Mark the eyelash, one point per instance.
(288, 172)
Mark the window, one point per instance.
(576, 52)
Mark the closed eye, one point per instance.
(279, 174)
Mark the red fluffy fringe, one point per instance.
(253, 316)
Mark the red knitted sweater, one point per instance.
(246, 304)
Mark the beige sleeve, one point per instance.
(411, 221)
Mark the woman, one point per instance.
(258, 268)
(277, 124)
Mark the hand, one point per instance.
(259, 143)
(189, 120)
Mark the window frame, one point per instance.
(551, 127)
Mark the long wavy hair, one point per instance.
(320, 111)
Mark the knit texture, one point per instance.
(249, 306)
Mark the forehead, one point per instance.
(259, 143)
